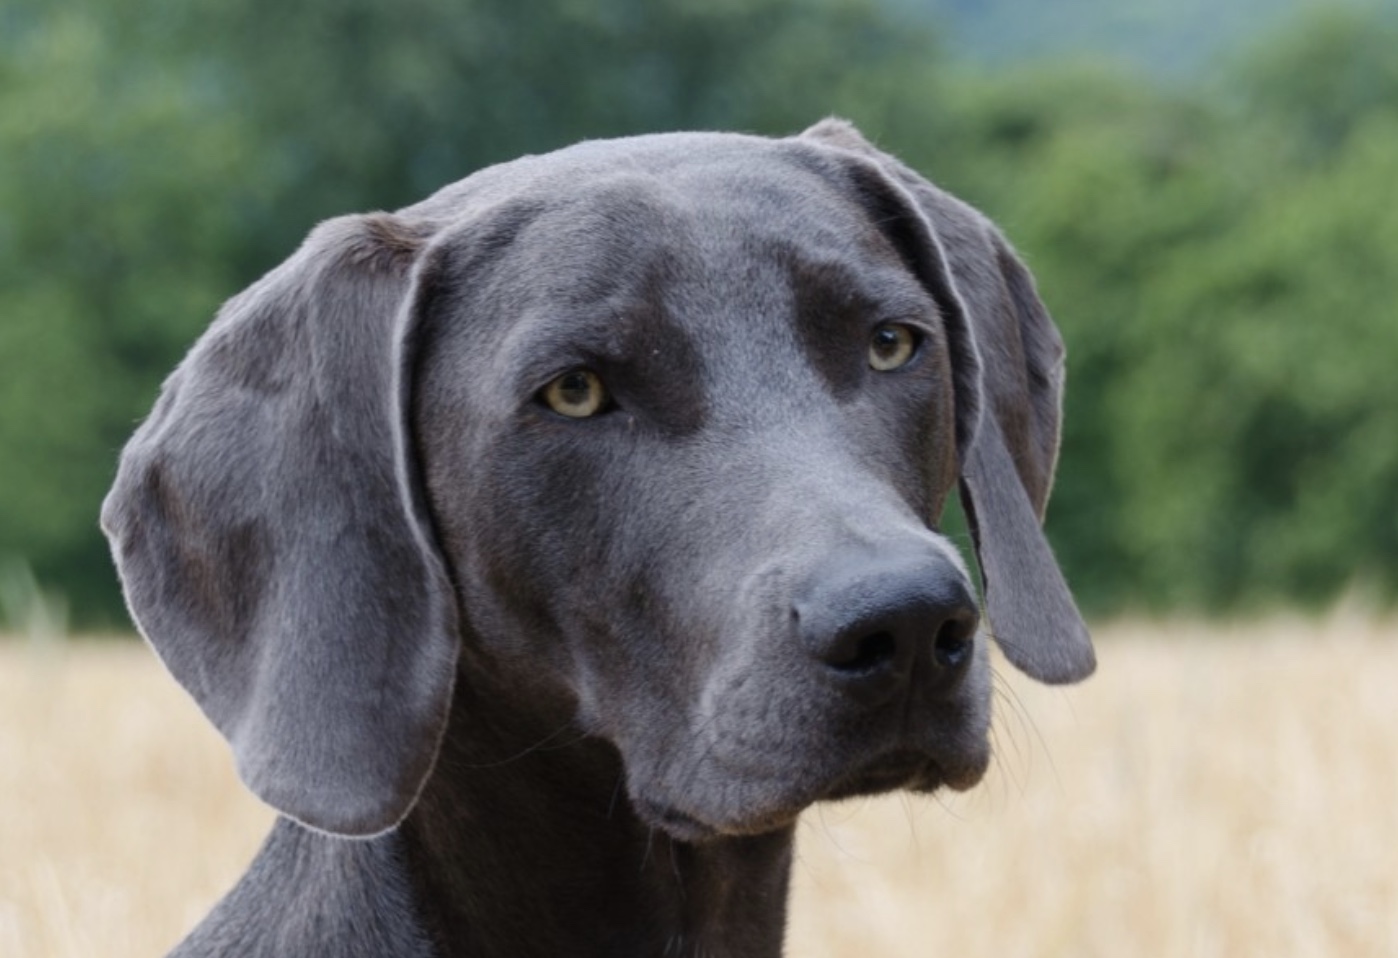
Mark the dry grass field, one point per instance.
(1213, 791)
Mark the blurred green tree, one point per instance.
(111, 259)
(1220, 257)
(159, 155)
(1222, 264)
(1257, 437)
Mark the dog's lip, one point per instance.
(679, 824)
(687, 828)
(912, 769)
(903, 768)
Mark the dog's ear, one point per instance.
(1007, 358)
(273, 541)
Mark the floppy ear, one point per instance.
(272, 540)
(1008, 433)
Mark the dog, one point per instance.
(543, 549)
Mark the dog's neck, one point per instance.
(523, 842)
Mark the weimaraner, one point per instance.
(545, 548)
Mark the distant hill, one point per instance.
(1171, 38)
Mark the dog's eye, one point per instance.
(577, 394)
(891, 346)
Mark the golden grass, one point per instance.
(1211, 792)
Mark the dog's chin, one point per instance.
(910, 771)
(906, 770)
(684, 827)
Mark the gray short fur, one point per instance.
(528, 685)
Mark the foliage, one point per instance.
(1220, 257)
(111, 260)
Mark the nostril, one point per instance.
(866, 655)
(954, 640)
(879, 628)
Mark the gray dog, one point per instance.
(543, 549)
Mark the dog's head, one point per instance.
(662, 426)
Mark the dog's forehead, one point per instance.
(669, 157)
(728, 192)
(704, 244)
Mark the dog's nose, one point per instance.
(873, 625)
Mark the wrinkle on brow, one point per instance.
(839, 305)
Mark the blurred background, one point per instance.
(1207, 193)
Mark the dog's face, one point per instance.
(662, 427)
(692, 472)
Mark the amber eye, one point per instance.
(891, 346)
(577, 394)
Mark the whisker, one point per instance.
(536, 747)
